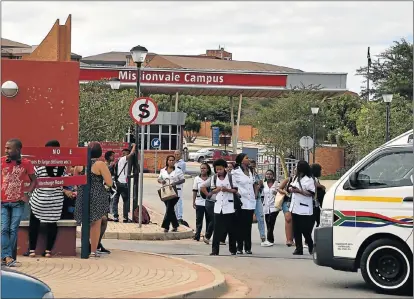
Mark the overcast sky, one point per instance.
(311, 36)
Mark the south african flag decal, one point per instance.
(367, 219)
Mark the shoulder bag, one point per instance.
(167, 192)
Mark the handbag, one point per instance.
(168, 192)
(279, 199)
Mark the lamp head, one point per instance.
(138, 54)
(315, 110)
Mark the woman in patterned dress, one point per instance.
(99, 197)
(46, 206)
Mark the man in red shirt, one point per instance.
(15, 171)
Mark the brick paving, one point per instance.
(122, 274)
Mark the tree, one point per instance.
(103, 112)
(283, 123)
(371, 126)
(392, 72)
(191, 129)
(224, 128)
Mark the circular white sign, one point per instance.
(306, 142)
(143, 111)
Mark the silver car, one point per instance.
(201, 154)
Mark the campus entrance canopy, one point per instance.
(217, 83)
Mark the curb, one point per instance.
(188, 233)
(212, 290)
(161, 236)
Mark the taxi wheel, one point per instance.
(387, 266)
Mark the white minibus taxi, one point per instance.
(367, 218)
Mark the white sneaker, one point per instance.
(266, 244)
(305, 246)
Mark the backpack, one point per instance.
(146, 219)
(236, 196)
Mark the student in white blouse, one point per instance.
(174, 176)
(199, 203)
(244, 178)
(224, 213)
(269, 209)
(301, 207)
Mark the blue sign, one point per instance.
(155, 143)
(216, 135)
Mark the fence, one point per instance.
(264, 163)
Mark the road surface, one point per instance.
(270, 272)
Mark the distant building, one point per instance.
(15, 50)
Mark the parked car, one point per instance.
(16, 285)
(201, 154)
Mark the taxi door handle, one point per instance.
(408, 199)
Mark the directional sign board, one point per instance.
(155, 143)
(306, 142)
(143, 111)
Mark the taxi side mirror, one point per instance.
(353, 180)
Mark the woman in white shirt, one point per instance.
(223, 187)
(244, 179)
(199, 203)
(175, 177)
(301, 207)
(269, 209)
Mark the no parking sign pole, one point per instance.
(155, 143)
(143, 111)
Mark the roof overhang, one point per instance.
(218, 82)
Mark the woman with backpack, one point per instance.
(301, 207)
(244, 180)
(320, 193)
(223, 190)
(199, 201)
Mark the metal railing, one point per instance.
(265, 163)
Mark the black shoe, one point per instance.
(165, 230)
(116, 219)
(248, 252)
(297, 252)
(310, 248)
(127, 221)
(196, 239)
(102, 249)
(239, 252)
(232, 253)
(213, 253)
(174, 229)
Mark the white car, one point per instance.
(201, 154)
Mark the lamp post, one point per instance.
(387, 99)
(315, 111)
(138, 54)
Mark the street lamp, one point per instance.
(138, 54)
(315, 111)
(387, 99)
(115, 83)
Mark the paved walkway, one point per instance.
(125, 274)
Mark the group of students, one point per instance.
(215, 197)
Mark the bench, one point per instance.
(65, 244)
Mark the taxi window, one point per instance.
(391, 169)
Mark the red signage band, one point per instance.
(56, 151)
(185, 78)
(56, 156)
(76, 180)
(116, 147)
(53, 161)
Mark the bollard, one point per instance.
(86, 210)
